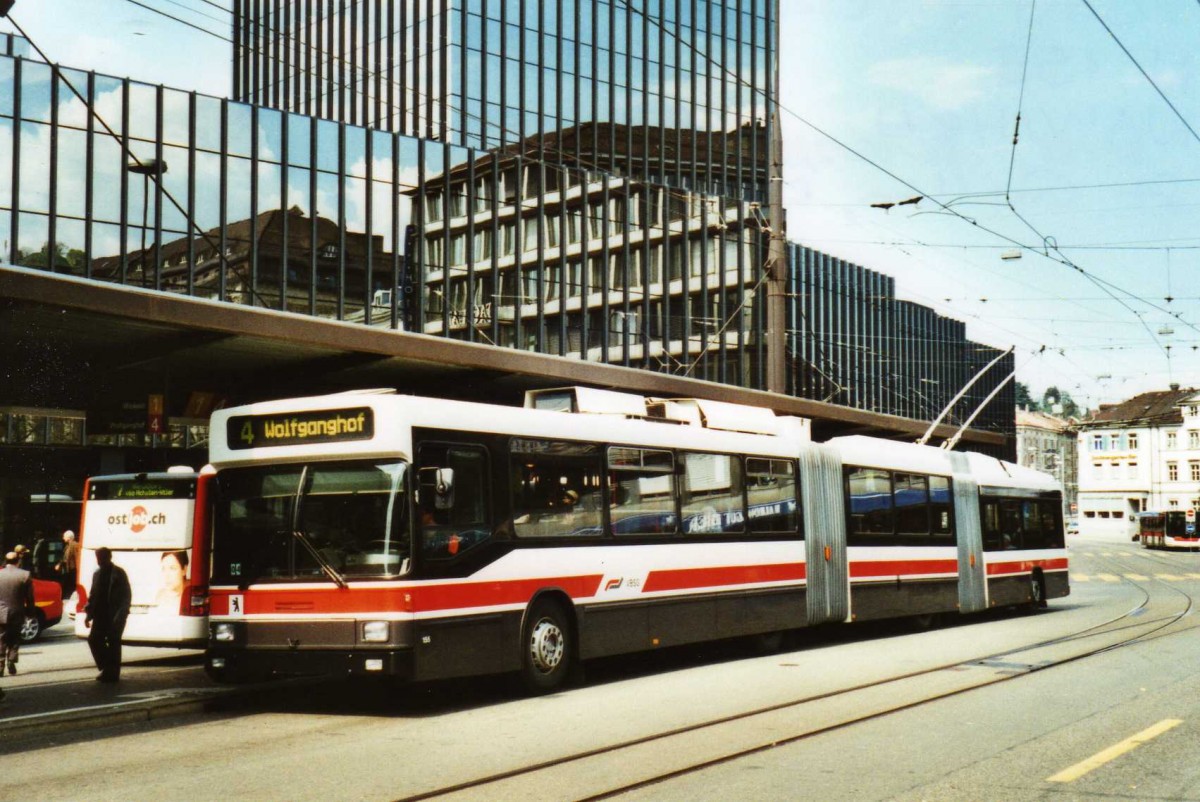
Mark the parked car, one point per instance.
(47, 609)
(1072, 526)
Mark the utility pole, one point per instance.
(776, 279)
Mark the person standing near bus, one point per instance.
(107, 610)
(69, 564)
(16, 596)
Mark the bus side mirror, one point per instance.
(443, 498)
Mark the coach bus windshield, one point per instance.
(303, 522)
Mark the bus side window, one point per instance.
(771, 495)
(941, 508)
(556, 488)
(990, 512)
(871, 516)
(453, 495)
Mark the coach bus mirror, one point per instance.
(443, 498)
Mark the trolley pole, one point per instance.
(776, 278)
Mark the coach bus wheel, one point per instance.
(32, 627)
(546, 648)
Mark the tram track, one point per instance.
(637, 763)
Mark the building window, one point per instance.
(1174, 503)
(1172, 471)
(1133, 440)
(1131, 470)
(1194, 468)
(1194, 439)
(1172, 440)
(1114, 442)
(1097, 442)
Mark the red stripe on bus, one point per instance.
(405, 598)
(876, 568)
(427, 598)
(696, 578)
(1025, 566)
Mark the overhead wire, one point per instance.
(1145, 74)
(945, 206)
(641, 12)
(689, 45)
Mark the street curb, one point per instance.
(110, 715)
(81, 719)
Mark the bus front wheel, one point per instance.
(546, 648)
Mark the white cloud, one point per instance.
(936, 81)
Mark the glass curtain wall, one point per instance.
(185, 193)
(670, 91)
(851, 341)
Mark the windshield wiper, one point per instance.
(321, 561)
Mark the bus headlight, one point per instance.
(375, 632)
(224, 633)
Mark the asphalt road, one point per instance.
(1002, 728)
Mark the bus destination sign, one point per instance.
(300, 428)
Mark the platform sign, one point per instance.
(1190, 516)
(155, 413)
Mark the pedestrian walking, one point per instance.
(69, 565)
(107, 609)
(16, 597)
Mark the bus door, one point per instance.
(828, 596)
(968, 528)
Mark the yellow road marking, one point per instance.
(1108, 578)
(1080, 578)
(1137, 577)
(1113, 752)
(1169, 577)
(1193, 576)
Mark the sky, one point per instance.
(887, 100)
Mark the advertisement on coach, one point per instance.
(148, 527)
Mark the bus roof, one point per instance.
(392, 418)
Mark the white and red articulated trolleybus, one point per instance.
(1169, 529)
(373, 533)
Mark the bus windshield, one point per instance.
(1175, 524)
(302, 522)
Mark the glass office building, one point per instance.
(627, 237)
(655, 89)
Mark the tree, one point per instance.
(1024, 399)
(71, 259)
(1059, 402)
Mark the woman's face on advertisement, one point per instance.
(172, 573)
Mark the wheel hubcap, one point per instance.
(29, 629)
(546, 645)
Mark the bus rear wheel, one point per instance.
(547, 649)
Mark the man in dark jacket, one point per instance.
(107, 609)
(16, 596)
